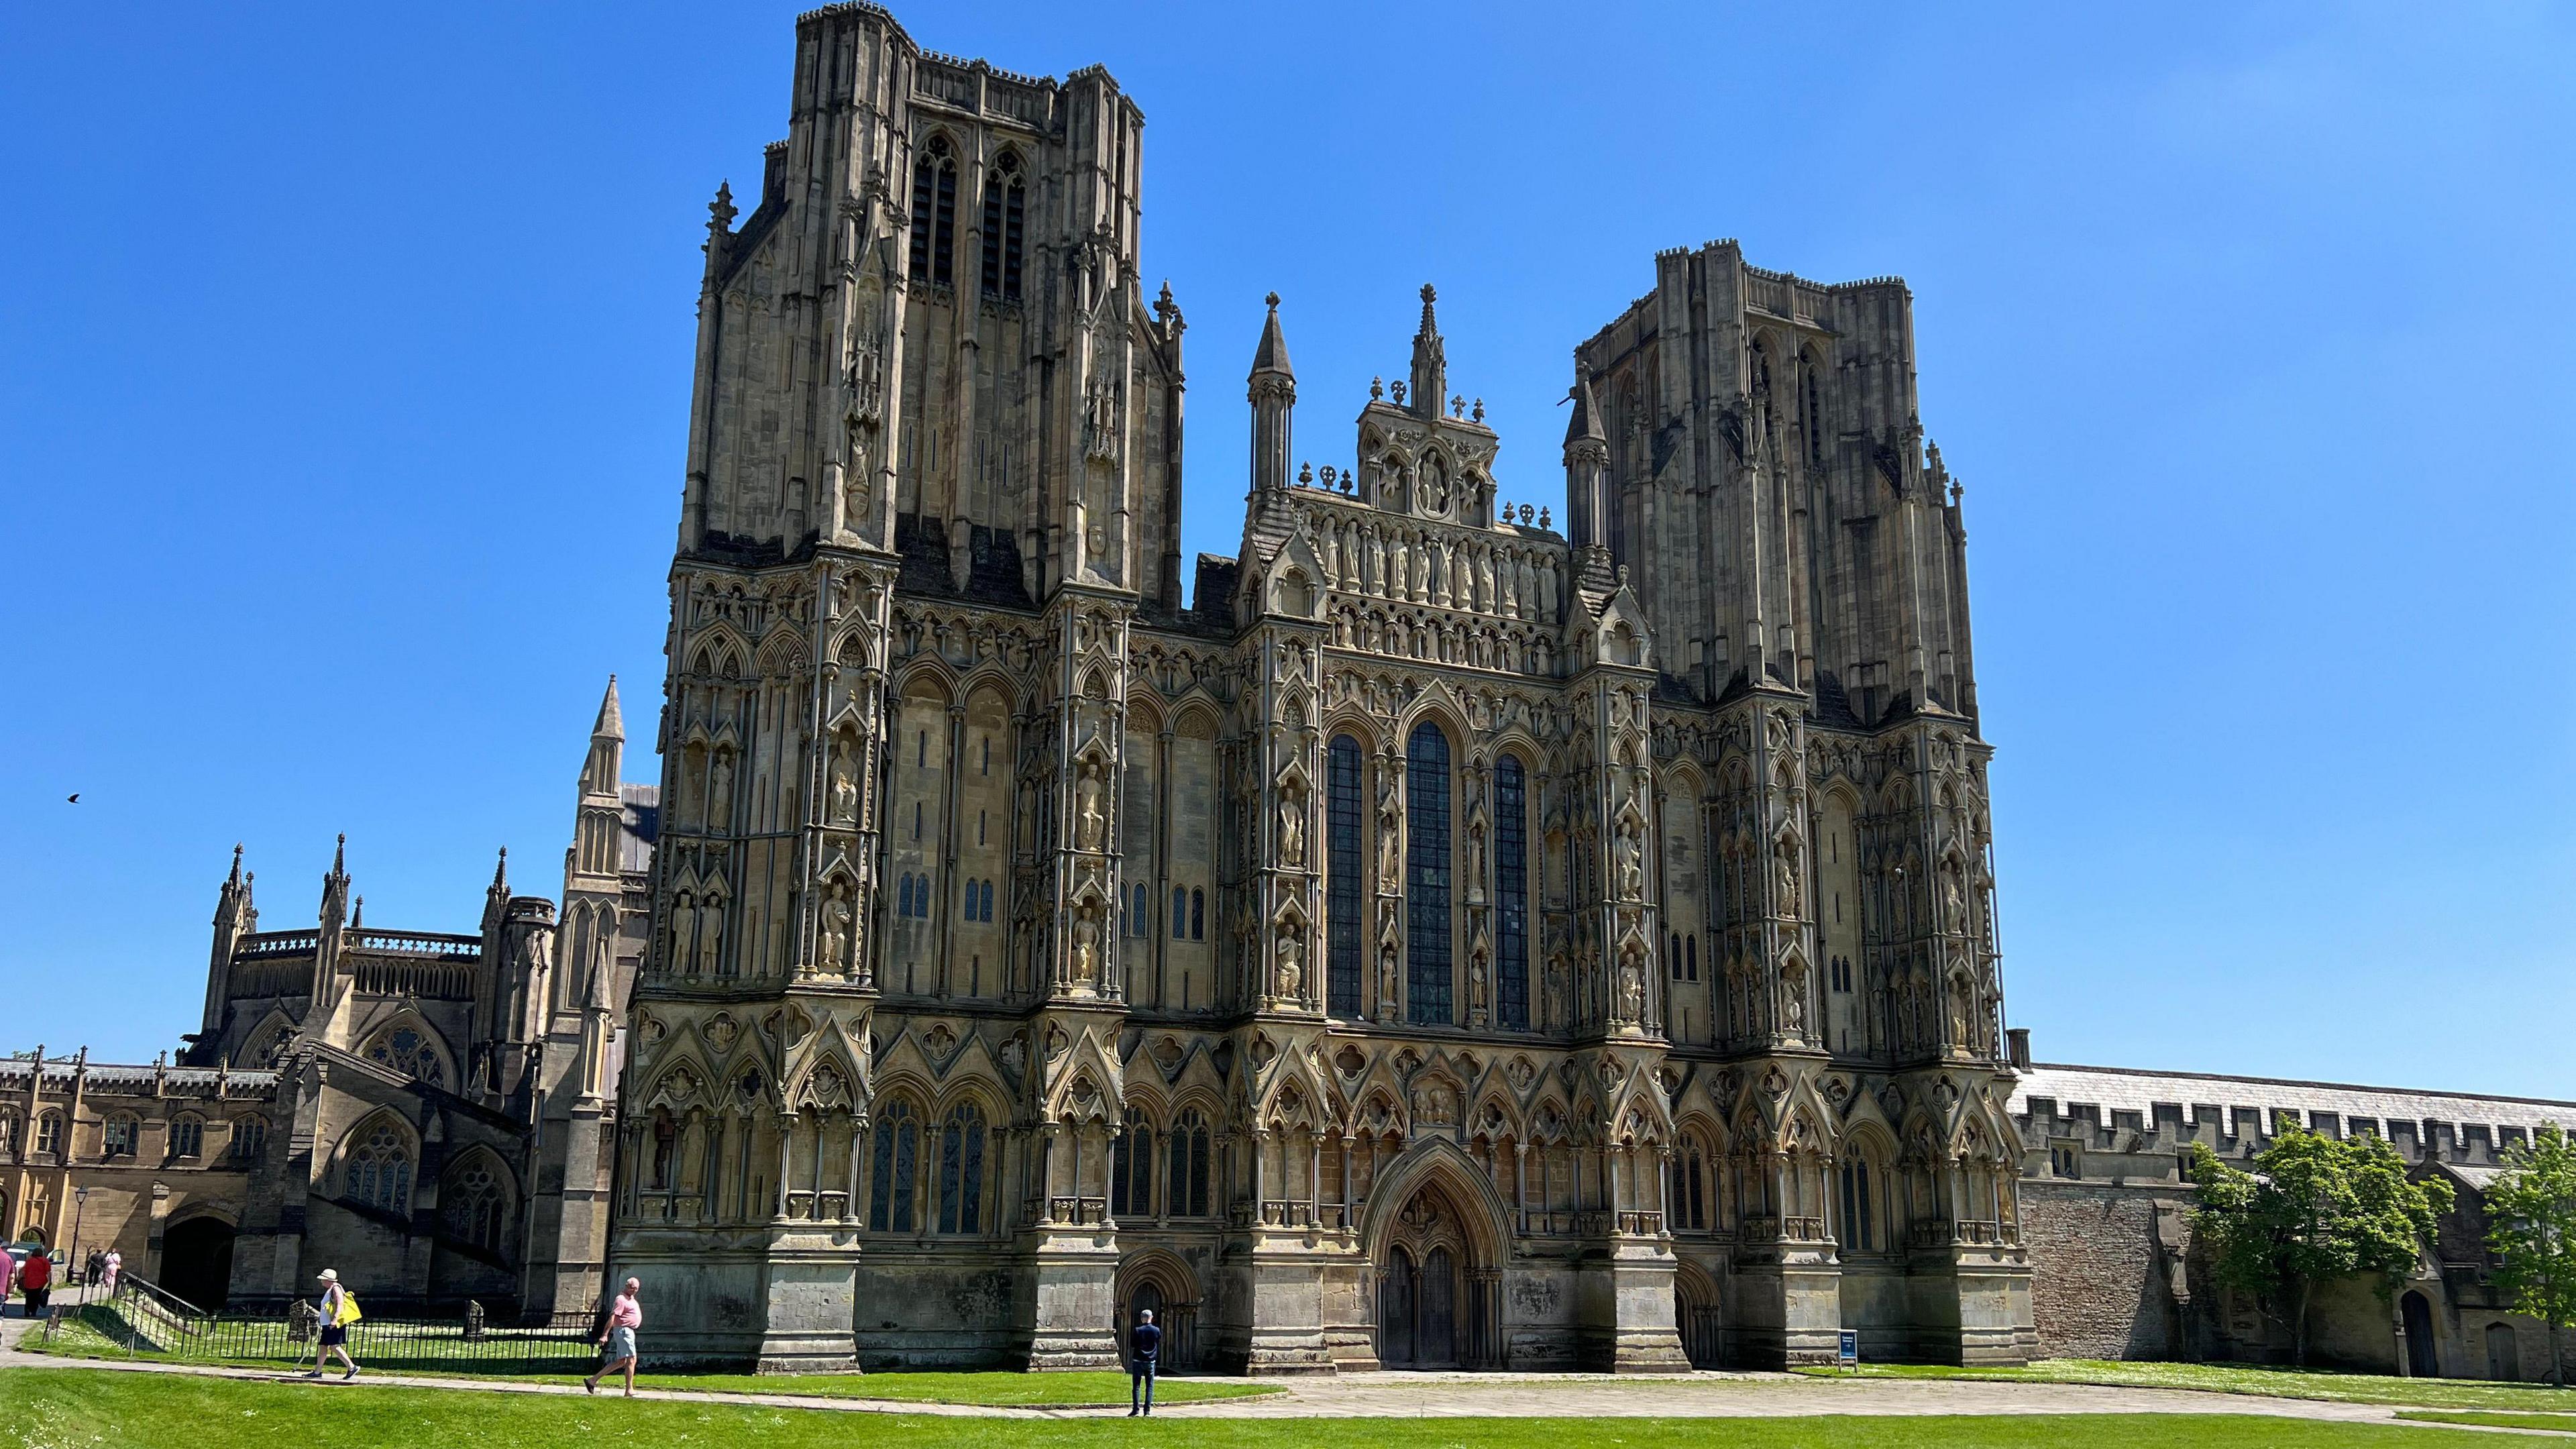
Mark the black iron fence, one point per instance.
(144, 1321)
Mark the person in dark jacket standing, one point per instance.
(1144, 1343)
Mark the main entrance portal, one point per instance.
(1437, 1302)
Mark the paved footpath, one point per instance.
(1415, 1395)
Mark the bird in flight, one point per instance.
(72, 799)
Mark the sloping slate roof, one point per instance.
(2110, 1089)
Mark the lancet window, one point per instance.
(934, 214)
(1342, 883)
(1428, 931)
(1511, 894)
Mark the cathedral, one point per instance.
(1441, 942)
(1444, 942)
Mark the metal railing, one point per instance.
(145, 1320)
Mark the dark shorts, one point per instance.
(335, 1336)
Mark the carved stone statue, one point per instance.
(1785, 879)
(1292, 830)
(845, 785)
(836, 932)
(1632, 869)
(720, 790)
(684, 927)
(1289, 981)
(1090, 825)
(710, 937)
(1632, 982)
(1086, 945)
(1793, 1001)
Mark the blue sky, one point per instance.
(344, 362)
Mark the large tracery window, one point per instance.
(407, 1051)
(1342, 883)
(961, 1171)
(1511, 893)
(473, 1205)
(1426, 878)
(934, 215)
(894, 1173)
(379, 1171)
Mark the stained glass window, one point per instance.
(961, 1171)
(1342, 878)
(1426, 878)
(890, 1185)
(1511, 894)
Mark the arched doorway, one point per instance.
(197, 1260)
(1438, 1304)
(1696, 1312)
(2504, 1353)
(2421, 1360)
(1163, 1283)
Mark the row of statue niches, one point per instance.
(1420, 567)
(1346, 482)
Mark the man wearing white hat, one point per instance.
(338, 1310)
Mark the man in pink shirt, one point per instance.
(617, 1340)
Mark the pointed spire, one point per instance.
(340, 856)
(611, 723)
(234, 881)
(501, 872)
(1585, 425)
(1272, 355)
(1430, 360)
(357, 913)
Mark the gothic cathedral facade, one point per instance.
(1445, 942)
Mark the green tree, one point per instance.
(2531, 1227)
(2314, 1209)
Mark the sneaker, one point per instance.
(589, 1387)
(310, 1374)
(351, 1374)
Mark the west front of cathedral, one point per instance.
(1444, 942)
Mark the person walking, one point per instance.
(617, 1339)
(1144, 1345)
(8, 1275)
(337, 1311)
(36, 1280)
(108, 1267)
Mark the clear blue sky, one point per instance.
(344, 361)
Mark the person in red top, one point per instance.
(36, 1278)
(617, 1339)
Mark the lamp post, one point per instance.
(80, 1202)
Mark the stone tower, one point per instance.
(1752, 441)
(924, 359)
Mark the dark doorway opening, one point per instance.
(197, 1261)
(2421, 1360)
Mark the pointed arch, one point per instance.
(406, 1043)
(477, 1200)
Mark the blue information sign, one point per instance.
(1849, 1350)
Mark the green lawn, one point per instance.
(88, 1409)
(97, 1337)
(2243, 1379)
(2559, 1423)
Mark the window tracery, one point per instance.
(379, 1169)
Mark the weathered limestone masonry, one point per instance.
(1447, 942)
(2106, 1210)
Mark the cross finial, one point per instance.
(1273, 300)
